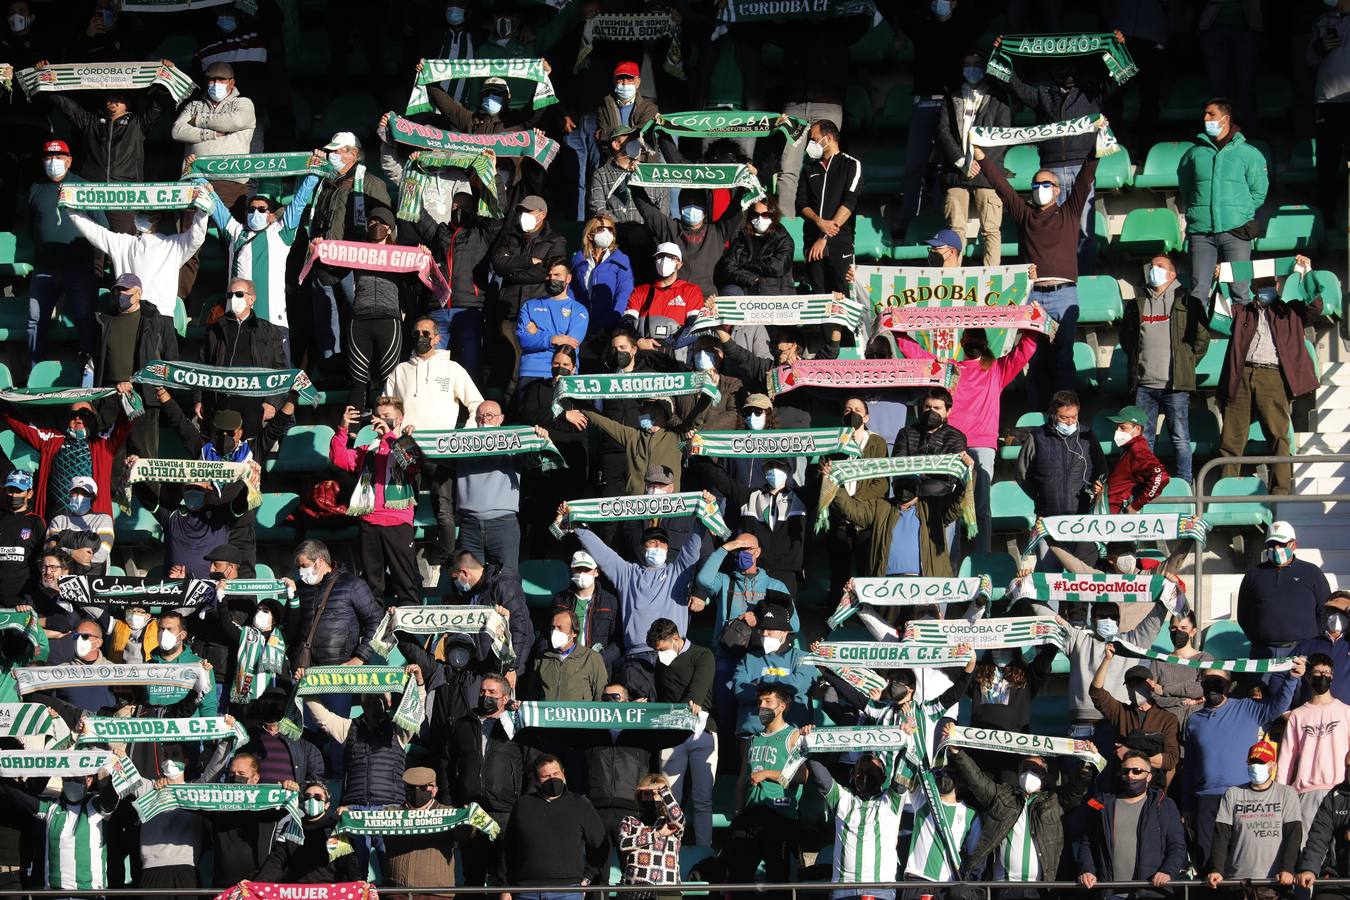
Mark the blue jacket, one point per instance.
(604, 291)
(1160, 844)
(1217, 740)
(732, 595)
(783, 667)
(550, 318)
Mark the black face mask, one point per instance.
(486, 705)
(552, 787)
(896, 692)
(619, 359)
(1215, 689)
(236, 779)
(74, 791)
(423, 344)
(554, 287)
(766, 716)
(1320, 684)
(226, 444)
(852, 420)
(18, 501)
(930, 419)
(1179, 638)
(867, 783)
(649, 811)
(456, 216)
(559, 372)
(458, 657)
(945, 783)
(417, 797)
(1129, 788)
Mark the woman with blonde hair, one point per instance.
(649, 843)
(602, 276)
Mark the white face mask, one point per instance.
(1259, 773)
(704, 360)
(262, 620)
(138, 621)
(55, 167)
(171, 768)
(776, 479)
(583, 580)
(308, 575)
(755, 421)
(238, 306)
(772, 644)
(1122, 438)
(336, 160)
(257, 221)
(79, 504)
(1029, 782)
(1157, 276)
(216, 91)
(761, 224)
(168, 641)
(814, 150)
(665, 267)
(666, 657)
(1043, 195)
(603, 238)
(1127, 564)
(528, 221)
(83, 645)
(559, 639)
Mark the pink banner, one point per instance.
(862, 373)
(938, 318)
(267, 890)
(379, 258)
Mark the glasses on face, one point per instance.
(1049, 184)
(259, 209)
(53, 568)
(486, 417)
(90, 636)
(426, 334)
(1135, 770)
(316, 797)
(233, 295)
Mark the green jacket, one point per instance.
(579, 676)
(1221, 189)
(1190, 337)
(643, 449)
(880, 516)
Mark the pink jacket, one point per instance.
(975, 402)
(350, 459)
(1312, 754)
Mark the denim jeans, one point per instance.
(332, 303)
(1087, 244)
(1052, 367)
(1177, 406)
(697, 758)
(582, 144)
(1207, 251)
(495, 540)
(76, 283)
(984, 476)
(923, 126)
(461, 332)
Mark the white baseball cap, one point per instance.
(343, 139)
(582, 560)
(1280, 532)
(669, 249)
(84, 483)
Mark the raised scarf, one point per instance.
(632, 386)
(873, 374)
(643, 506)
(908, 591)
(808, 442)
(118, 76)
(1023, 744)
(633, 28)
(435, 70)
(242, 381)
(988, 634)
(1113, 53)
(426, 621)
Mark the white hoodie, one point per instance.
(432, 391)
(154, 258)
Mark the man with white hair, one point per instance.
(1281, 599)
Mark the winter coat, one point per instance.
(491, 776)
(1057, 472)
(512, 258)
(348, 622)
(1287, 324)
(601, 630)
(1190, 337)
(760, 264)
(604, 287)
(114, 150)
(501, 586)
(1160, 844)
(991, 111)
(155, 340)
(1221, 188)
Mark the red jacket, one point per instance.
(1138, 478)
(102, 448)
(661, 311)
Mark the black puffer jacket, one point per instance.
(759, 263)
(1055, 471)
(513, 259)
(615, 765)
(114, 150)
(308, 863)
(466, 262)
(491, 776)
(374, 762)
(348, 621)
(1327, 851)
(1052, 104)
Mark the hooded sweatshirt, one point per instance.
(432, 391)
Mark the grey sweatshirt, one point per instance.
(488, 487)
(647, 593)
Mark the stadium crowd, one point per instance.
(565, 303)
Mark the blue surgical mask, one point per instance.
(1065, 429)
(1157, 276)
(1107, 628)
(1213, 127)
(1267, 295)
(462, 586)
(692, 216)
(109, 17)
(972, 74)
(454, 15)
(755, 421)
(625, 92)
(745, 560)
(76, 434)
(227, 24)
(492, 104)
(143, 223)
(645, 422)
(942, 9)
(1258, 773)
(217, 90)
(704, 360)
(257, 220)
(654, 556)
(776, 479)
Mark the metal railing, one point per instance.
(1201, 500)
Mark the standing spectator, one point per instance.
(460, 324)
(700, 242)
(1316, 740)
(220, 123)
(21, 535)
(83, 808)
(1267, 366)
(526, 242)
(487, 498)
(243, 840)
(833, 186)
(477, 584)
(1134, 831)
(552, 320)
(1179, 686)
(568, 670)
(1164, 337)
(649, 843)
(765, 827)
(1061, 466)
(931, 434)
(487, 767)
(171, 843)
(1002, 689)
(624, 108)
(602, 274)
(759, 260)
(1329, 51)
(554, 836)
(1324, 852)
(775, 516)
(596, 609)
(421, 860)
(609, 193)
(386, 520)
(134, 336)
(348, 620)
(1331, 642)
(1281, 599)
(63, 261)
(662, 311)
(1137, 477)
(1141, 714)
(771, 660)
(974, 104)
(242, 338)
(684, 674)
(1215, 761)
(1258, 832)
(1221, 182)
(867, 820)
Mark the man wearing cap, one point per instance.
(1280, 600)
(770, 659)
(494, 115)
(661, 312)
(217, 124)
(944, 250)
(422, 860)
(135, 334)
(1141, 714)
(21, 536)
(80, 448)
(629, 536)
(1258, 832)
(63, 261)
(625, 107)
(79, 515)
(971, 105)
(1333, 644)
(700, 240)
(596, 609)
(340, 212)
(609, 194)
(1137, 478)
(832, 185)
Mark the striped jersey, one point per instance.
(77, 859)
(928, 859)
(1017, 860)
(866, 834)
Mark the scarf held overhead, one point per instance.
(1109, 528)
(125, 592)
(90, 195)
(643, 506)
(435, 70)
(243, 381)
(532, 144)
(1023, 744)
(632, 28)
(916, 318)
(1300, 284)
(786, 309)
(832, 654)
(847, 471)
(1113, 53)
(1101, 587)
(795, 10)
(861, 373)
(260, 165)
(622, 716)
(633, 386)
(695, 176)
(131, 730)
(1242, 666)
(367, 679)
(808, 442)
(370, 257)
(187, 676)
(981, 136)
(988, 634)
(197, 471)
(120, 76)
(729, 123)
(224, 798)
(387, 822)
(909, 591)
(426, 621)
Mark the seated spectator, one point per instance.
(602, 275)
(759, 259)
(568, 670)
(1137, 477)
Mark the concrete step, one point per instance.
(1337, 373)
(1333, 411)
(1323, 441)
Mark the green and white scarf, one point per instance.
(832, 654)
(511, 440)
(1104, 45)
(809, 442)
(643, 506)
(196, 471)
(1023, 744)
(861, 373)
(785, 309)
(259, 165)
(120, 76)
(29, 720)
(98, 195)
(1123, 527)
(795, 10)
(909, 591)
(1235, 666)
(729, 123)
(154, 6)
(850, 470)
(186, 676)
(694, 176)
(1299, 285)
(530, 144)
(436, 70)
(241, 381)
(411, 709)
(65, 396)
(845, 739)
(427, 621)
(389, 822)
(633, 386)
(988, 634)
(258, 659)
(131, 730)
(262, 588)
(1099, 587)
(71, 764)
(416, 174)
(225, 798)
(864, 679)
(27, 624)
(604, 716)
(633, 28)
(398, 492)
(1008, 136)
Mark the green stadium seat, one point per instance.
(871, 238)
(1102, 429)
(794, 228)
(875, 48)
(1291, 228)
(1021, 163)
(1204, 431)
(541, 579)
(1274, 96)
(1238, 515)
(1011, 508)
(136, 527)
(263, 570)
(1115, 171)
(857, 108)
(272, 524)
(1148, 231)
(897, 110)
(14, 319)
(1210, 368)
(884, 167)
(15, 255)
(1117, 380)
(1160, 166)
(1333, 299)
(1225, 639)
(6, 379)
(1025, 420)
(304, 449)
(19, 452)
(424, 517)
(1098, 300)
(1000, 567)
(55, 373)
(1302, 167)
(1175, 490)
(1085, 362)
(920, 229)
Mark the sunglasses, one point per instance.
(1135, 770)
(316, 797)
(1049, 184)
(426, 334)
(236, 294)
(261, 209)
